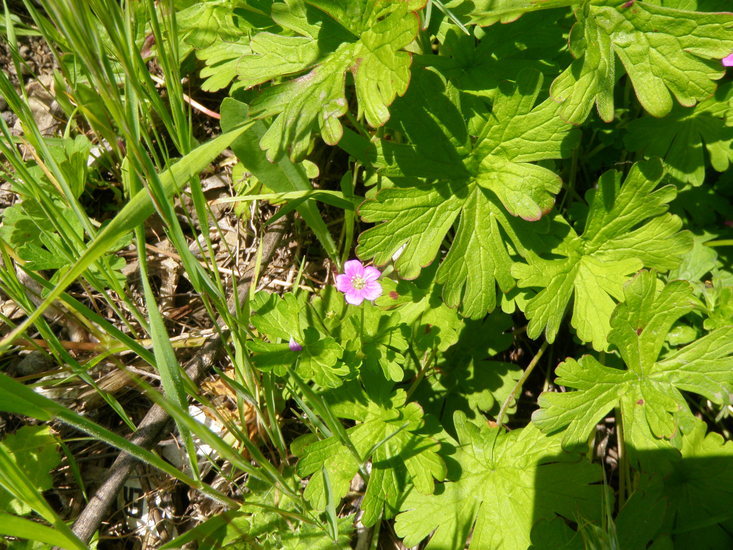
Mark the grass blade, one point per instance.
(13, 526)
(281, 177)
(135, 212)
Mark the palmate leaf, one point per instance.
(481, 181)
(498, 497)
(331, 38)
(503, 51)
(219, 33)
(35, 450)
(627, 228)
(387, 434)
(666, 52)
(283, 318)
(488, 12)
(680, 137)
(677, 501)
(648, 391)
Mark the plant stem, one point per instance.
(623, 461)
(518, 386)
(722, 242)
(422, 370)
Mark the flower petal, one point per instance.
(728, 61)
(354, 268)
(343, 283)
(294, 346)
(371, 274)
(355, 297)
(372, 290)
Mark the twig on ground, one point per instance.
(154, 424)
(192, 102)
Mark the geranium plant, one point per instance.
(507, 316)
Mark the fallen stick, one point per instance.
(152, 427)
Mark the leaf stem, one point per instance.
(623, 461)
(721, 242)
(422, 370)
(512, 397)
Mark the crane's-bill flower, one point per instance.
(294, 346)
(728, 61)
(359, 283)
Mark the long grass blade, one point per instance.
(281, 177)
(135, 212)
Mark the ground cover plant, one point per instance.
(366, 274)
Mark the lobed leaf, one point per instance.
(648, 390)
(682, 137)
(666, 52)
(400, 457)
(478, 183)
(626, 229)
(364, 37)
(499, 486)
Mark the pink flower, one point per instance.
(294, 346)
(728, 61)
(359, 283)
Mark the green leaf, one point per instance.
(648, 390)
(666, 52)
(363, 37)
(477, 182)
(24, 473)
(219, 34)
(695, 487)
(35, 451)
(679, 498)
(503, 51)
(469, 377)
(681, 137)
(626, 229)
(386, 433)
(137, 210)
(283, 318)
(488, 12)
(280, 177)
(13, 526)
(506, 479)
(719, 302)
(418, 305)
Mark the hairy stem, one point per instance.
(512, 397)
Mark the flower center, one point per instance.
(358, 283)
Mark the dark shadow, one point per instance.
(677, 502)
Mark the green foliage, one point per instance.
(469, 169)
(218, 33)
(279, 177)
(677, 503)
(26, 228)
(477, 181)
(35, 451)
(679, 138)
(648, 392)
(269, 519)
(488, 12)
(626, 228)
(498, 471)
(322, 41)
(666, 52)
(387, 433)
(285, 318)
